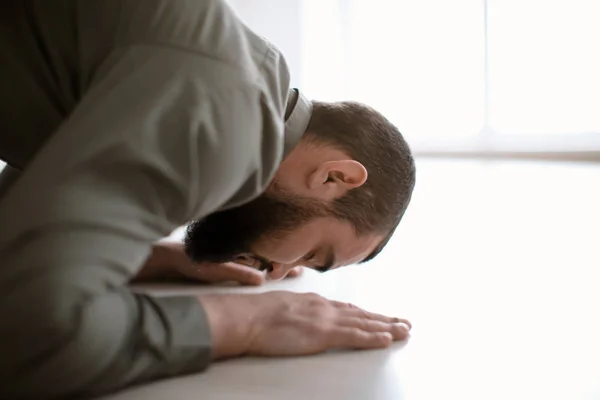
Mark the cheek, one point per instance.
(285, 249)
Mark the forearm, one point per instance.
(161, 264)
(68, 321)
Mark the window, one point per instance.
(480, 74)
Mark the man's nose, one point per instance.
(279, 271)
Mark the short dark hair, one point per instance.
(371, 139)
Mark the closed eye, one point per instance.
(247, 260)
(329, 262)
(310, 257)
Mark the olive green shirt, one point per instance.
(128, 118)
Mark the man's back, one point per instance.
(38, 65)
(52, 52)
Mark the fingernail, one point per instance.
(403, 322)
(386, 336)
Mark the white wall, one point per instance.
(279, 21)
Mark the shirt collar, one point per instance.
(298, 113)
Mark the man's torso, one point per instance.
(51, 53)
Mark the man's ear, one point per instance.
(333, 179)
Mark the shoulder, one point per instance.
(206, 28)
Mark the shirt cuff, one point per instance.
(177, 332)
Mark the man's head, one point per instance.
(335, 200)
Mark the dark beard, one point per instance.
(225, 235)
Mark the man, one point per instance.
(130, 118)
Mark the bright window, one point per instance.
(462, 71)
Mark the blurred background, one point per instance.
(516, 78)
(510, 78)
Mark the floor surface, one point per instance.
(497, 264)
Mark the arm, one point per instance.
(168, 262)
(148, 148)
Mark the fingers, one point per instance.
(355, 338)
(350, 310)
(398, 331)
(360, 313)
(403, 321)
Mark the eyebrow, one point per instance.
(329, 262)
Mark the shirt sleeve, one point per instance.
(162, 136)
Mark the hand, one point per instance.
(168, 261)
(292, 324)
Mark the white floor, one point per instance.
(497, 264)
